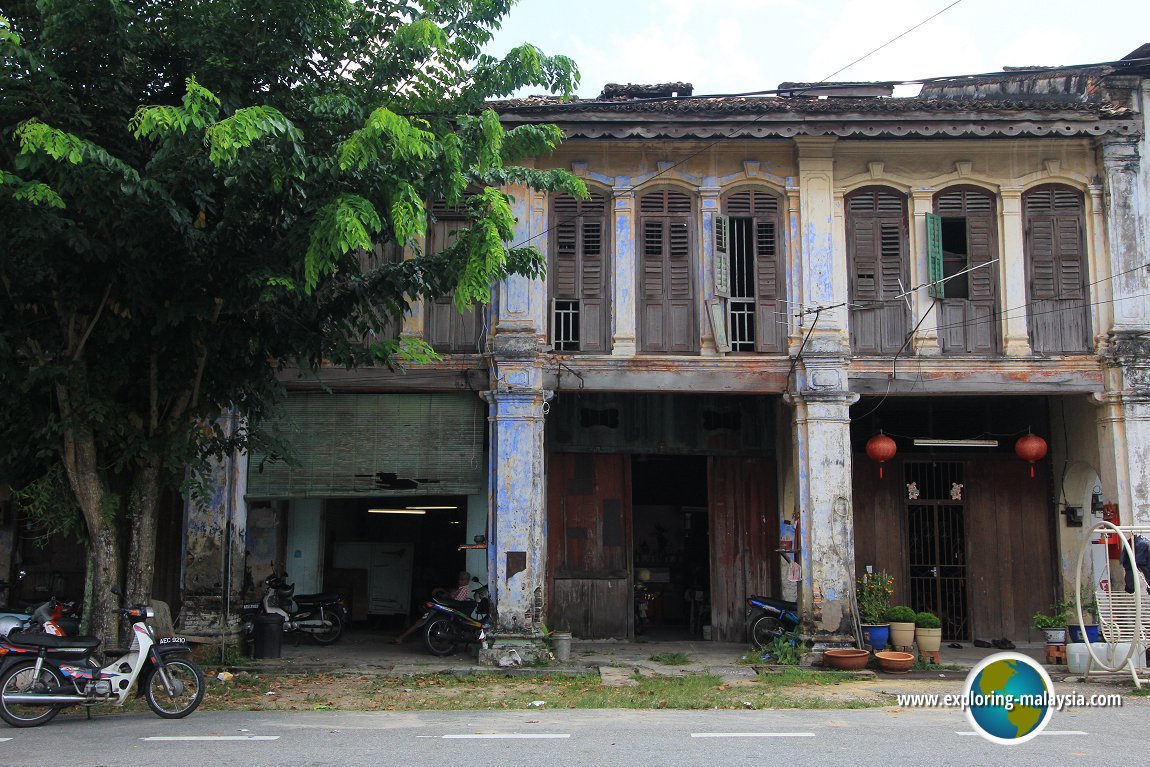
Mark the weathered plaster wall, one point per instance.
(1076, 476)
(305, 541)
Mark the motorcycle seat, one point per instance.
(315, 599)
(778, 604)
(462, 605)
(50, 642)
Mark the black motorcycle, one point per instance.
(451, 623)
(323, 617)
(769, 618)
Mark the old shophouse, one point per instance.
(754, 289)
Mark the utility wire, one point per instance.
(720, 139)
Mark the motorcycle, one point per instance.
(451, 623)
(52, 617)
(769, 618)
(323, 617)
(44, 674)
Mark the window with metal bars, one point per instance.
(750, 245)
(577, 273)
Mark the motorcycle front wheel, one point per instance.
(439, 636)
(765, 630)
(187, 689)
(332, 632)
(22, 678)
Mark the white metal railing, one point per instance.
(1122, 618)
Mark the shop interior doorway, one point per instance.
(671, 547)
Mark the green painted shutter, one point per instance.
(937, 288)
(341, 444)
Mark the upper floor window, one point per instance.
(968, 310)
(448, 330)
(752, 245)
(578, 274)
(667, 307)
(878, 270)
(1056, 270)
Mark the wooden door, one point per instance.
(743, 511)
(589, 544)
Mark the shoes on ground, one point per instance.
(982, 643)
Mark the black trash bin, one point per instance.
(267, 635)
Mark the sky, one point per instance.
(732, 46)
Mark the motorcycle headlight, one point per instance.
(149, 613)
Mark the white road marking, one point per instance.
(1044, 732)
(213, 737)
(752, 734)
(4, 739)
(505, 735)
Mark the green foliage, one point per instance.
(874, 591)
(672, 658)
(49, 506)
(925, 620)
(190, 194)
(900, 614)
(1055, 618)
(785, 650)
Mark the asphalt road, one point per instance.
(561, 738)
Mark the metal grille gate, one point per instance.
(936, 532)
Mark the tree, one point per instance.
(192, 195)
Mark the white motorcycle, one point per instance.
(43, 674)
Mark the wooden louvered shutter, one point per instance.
(447, 329)
(767, 322)
(876, 226)
(981, 318)
(654, 309)
(1058, 316)
(667, 291)
(864, 281)
(594, 287)
(565, 276)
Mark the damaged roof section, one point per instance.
(1083, 100)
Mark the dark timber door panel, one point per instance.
(936, 544)
(589, 543)
(744, 526)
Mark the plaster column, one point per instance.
(517, 542)
(925, 342)
(821, 401)
(709, 205)
(1012, 277)
(1126, 233)
(1101, 291)
(215, 541)
(520, 305)
(823, 266)
(517, 547)
(823, 496)
(414, 321)
(623, 308)
(1124, 427)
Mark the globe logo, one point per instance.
(1008, 698)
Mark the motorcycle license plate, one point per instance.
(172, 640)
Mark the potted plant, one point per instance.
(873, 591)
(1053, 624)
(927, 632)
(1089, 620)
(901, 619)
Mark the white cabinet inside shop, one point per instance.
(388, 568)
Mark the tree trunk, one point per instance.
(98, 506)
(143, 508)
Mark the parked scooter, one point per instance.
(44, 674)
(451, 623)
(769, 618)
(51, 617)
(323, 617)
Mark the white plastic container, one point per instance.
(1118, 655)
(1078, 657)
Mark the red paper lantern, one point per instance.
(880, 448)
(1031, 448)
